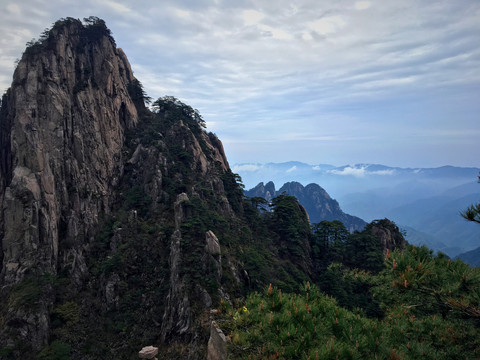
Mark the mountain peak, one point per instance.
(316, 201)
(81, 153)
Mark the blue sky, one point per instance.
(338, 82)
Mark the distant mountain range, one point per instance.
(319, 205)
(347, 179)
(471, 257)
(425, 202)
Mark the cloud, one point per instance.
(327, 25)
(386, 83)
(276, 33)
(118, 7)
(252, 17)
(362, 5)
(360, 171)
(256, 68)
(246, 167)
(13, 9)
(293, 168)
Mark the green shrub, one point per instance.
(57, 350)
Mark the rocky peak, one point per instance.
(314, 199)
(63, 128)
(63, 125)
(267, 191)
(87, 173)
(388, 234)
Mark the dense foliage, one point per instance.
(431, 309)
(92, 30)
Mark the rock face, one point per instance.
(266, 191)
(148, 352)
(85, 188)
(63, 129)
(388, 234)
(217, 343)
(316, 201)
(63, 149)
(177, 318)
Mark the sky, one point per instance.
(336, 82)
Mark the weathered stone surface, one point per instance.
(213, 245)
(148, 352)
(63, 126)
(111, 295)
(204, 296)
(181, 210)
(217, 343)
(213, 254)
(388, 234)
(177, 317)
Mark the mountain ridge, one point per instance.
(374, 191)
(317, 202)
(252, 173)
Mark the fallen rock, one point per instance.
(148, 352)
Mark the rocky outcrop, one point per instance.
(217, 343)
(212, 245)
(388, 234)
(213, 254)
(148, 352)
(73, 159)
(266, 191)
(177, 318)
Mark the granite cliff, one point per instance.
(83, 164)
(63, 129)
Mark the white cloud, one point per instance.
(183, 13)
(13, 8)
(327, 25)
(360, 171)
(352, 171)
(293, 168)
(119, 8)
(386, 83)
(362, 5)
(246, 167)
(252, 17)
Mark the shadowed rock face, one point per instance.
(68, 109)
(63, 125)
(388, 234)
